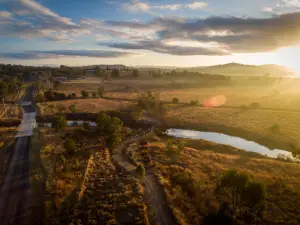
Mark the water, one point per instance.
(70, 123)
(236, 142)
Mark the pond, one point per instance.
(232, 141)
(70, 123)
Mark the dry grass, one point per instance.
(206, 167)
(82, 105)
(115, 197)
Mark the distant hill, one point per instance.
(235, 69)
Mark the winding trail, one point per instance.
(155, 197)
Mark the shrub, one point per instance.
(94, 94)
(135, 73)
(275, 128)
(255, 105)
(115, 73)
(73, 95)
(86, 125)
(100, 92)
(70, 146)
(194, 102)
(60, 123)
(140, 169)
(49, 95)
(84, 94)
(72, 108)
(175, 100)
(39, 97)
(254, 195)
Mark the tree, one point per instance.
(115, 73)
(233, 183)
(175, 100)
(103, 121)
(94, 94)
(70, 146)
(135, 73)
(84, 94)
(194, 103)
(3, 89)
(140, 169)
(60, 122)
(49, 95)
(56, 84)
(100, 91)
(73, 95)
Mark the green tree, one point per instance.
(70, 146)
(115, 73)
(233, 184)
(84, 94)
(60, 122)
(135, 73)
(103, 121)
(140, 169)
(3, 89)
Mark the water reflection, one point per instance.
(232, 141)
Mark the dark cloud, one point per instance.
(32, 55)
(160, 47)
(233, 34)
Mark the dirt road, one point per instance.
(14, 190)
(155, 197)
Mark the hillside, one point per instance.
(235, 69)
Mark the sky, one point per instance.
(178, 33)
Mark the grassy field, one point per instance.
(252, 124)
(204, 169)
(82, 105)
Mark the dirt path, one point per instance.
(159, 210)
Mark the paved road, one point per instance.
(14, 190)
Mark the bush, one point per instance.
(103, 121)
(194, 102)
(254, 105)
(84, 94)
(140, 169)
(100, 92)
(86, 125)
(70, 146)
(39, 97)
(275, 128)
(49, 95)
(94, 95)
(73, 95)
(115, 73)
(60, 123)
(135, 73)
(72, 108)
(175, 100)
(254, 195)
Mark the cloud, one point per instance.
(136, 6)
(33, 55)
(29, 19)
(290, 3)
(172, 7)
(197, 5)
(268, 9)
(229, 34)
(160, 47)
